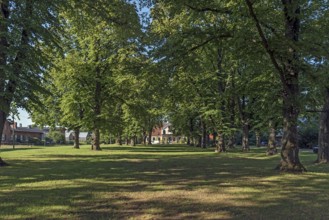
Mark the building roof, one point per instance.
(29, 130)
(166, 125)
(82, 134)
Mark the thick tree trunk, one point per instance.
(323, 153)
(220, 146)
(76, 138)
(290, 151)
(96, 140)
(4, 104)
(271, 146)
(245, 137)
(286, 62)
(3, 117)
(4, 101)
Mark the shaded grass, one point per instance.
(157, 182)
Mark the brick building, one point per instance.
(22, 134)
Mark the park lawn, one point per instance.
(157, 182)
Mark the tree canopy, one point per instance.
(215, 68)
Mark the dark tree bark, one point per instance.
(4, 102)
(149, 142)
(271, 146)
(3, 117)
(245, 137)
(290, 151)
(286, 62)
(323, 139)
(76, 138)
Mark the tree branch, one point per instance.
(265, 41)
(209, 40)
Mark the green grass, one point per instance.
(157, 182)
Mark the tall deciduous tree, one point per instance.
(286, 60)
(26, 27)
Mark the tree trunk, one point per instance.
(286, 61)
(3, 117)
(149, 142)
(220, 146)
(96, 140)
(133, 141)
(214, 139)
(4, 102)
(199, 144)
(144, 137)
(257, 134)
(188, 140)
(290, 151)
(271, 146)
(76, 138)
(323, 153)
(204, 135)
(245, 137)
(191, 139)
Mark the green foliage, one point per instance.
(27, 29)
(308, 132)
(56, 137)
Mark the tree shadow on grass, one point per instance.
(123, 186)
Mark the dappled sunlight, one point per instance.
(117, 183)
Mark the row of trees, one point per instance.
(261, 63)
(119, 67)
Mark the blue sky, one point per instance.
(23, 118)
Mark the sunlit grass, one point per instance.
(157, 182)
